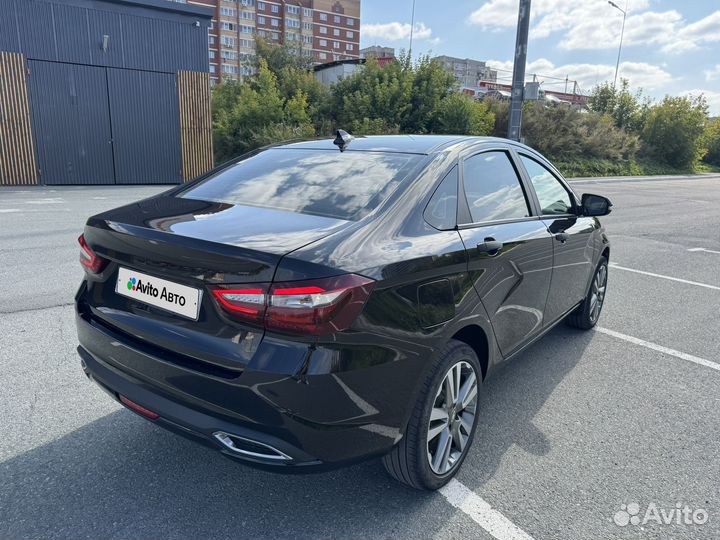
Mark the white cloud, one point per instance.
(641, 75)
(713, 73)
(395, 31)
(596, 25)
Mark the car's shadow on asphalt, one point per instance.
(122, 477)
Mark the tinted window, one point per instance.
(553, 197)
(493, 189)
(344, 185)
(441, 211)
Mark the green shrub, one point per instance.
(674, 131)
(712, 142)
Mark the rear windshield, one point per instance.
(325, 183)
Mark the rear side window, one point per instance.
(493, 189)
(553, 197)
(441, 211)
(345, 185)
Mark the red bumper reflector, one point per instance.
(138, 408)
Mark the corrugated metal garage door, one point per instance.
(71, 123)
(146, 126)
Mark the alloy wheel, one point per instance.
(452, 417)
(598, 293)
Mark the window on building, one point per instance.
(261, 6)
(323, 16)
(322, 56)
(212, 68)
(336, 32)
(227, 26)
(274, 22)
(349, 47)
(262, 33)
(275, 9)
(323, 29)
(212, 55)
(228, 12)
(336, 57)
(323, 42)
(292, 23)
(247, 29)
(293, 10)
(248, 15)
(350, 35)
(351, 22)
(336, 44)
(307, 26)
(336, 18)
(211, 40)
(276, 36)
(290, 36)
(308, 39)
(248, 3)
(247, 43)
(228, 41)
(307, 12)
(261, 19)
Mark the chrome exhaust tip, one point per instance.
(250, 448)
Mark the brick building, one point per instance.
(325, 30)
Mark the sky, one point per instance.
(669, 47)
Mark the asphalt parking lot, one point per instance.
(575, 432)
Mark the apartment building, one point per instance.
(468, 72)
(324, 30)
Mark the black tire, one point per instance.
(587, 314)
(409, 460)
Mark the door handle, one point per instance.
(490, 246)
(562, 237)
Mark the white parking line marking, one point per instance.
(660, 348)
(704, 249)
(715, 288)
(463, 498)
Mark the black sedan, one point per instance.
(319, 303)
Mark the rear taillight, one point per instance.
(315, 307)
(91, 262)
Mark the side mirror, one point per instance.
(595, 205)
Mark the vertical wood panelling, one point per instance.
(17, 151)
(195, 123)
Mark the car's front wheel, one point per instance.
(443, 422)
(587, 314)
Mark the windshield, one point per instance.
(345, 185)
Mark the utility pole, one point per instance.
(518, 86)
(622, 34)
(412, 29)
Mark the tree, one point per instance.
(627, 110)
(458, 114)
(430, 85)
(674, 130)
(712, 141)
(246, 116)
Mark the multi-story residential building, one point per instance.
(468, 72)
(325, 30)
(377, 51)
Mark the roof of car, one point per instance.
(411, 144)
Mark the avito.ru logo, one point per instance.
(629, 514)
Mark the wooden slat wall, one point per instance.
(195, 123)
(17, 151)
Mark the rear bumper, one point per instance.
(267, 410)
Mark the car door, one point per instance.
(509, 249)
(572, 234)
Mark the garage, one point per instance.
(108, 92)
